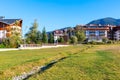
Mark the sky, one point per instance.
(56, 14)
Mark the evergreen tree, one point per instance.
(39, 37)
(44, 36)
(51, 39)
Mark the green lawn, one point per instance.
(84, 62)
(97, 63)
(14, 63)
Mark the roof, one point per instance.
(9, 21)
(116, 28)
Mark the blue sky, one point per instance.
(56, 14)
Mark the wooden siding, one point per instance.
(8, 28)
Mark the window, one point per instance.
(92, 32)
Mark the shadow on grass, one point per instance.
(43, 68)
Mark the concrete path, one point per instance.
(24, 48)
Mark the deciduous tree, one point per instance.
(33, 36)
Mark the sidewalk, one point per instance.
(8, 49)
(25, 48)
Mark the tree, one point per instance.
(13, 41)
(61, 40)
(70, 31)
(79, 33)
(39, 37)
(33, 36)
(73, 40)
(44, 36)
(105, 40)
(6, 42)
(78, 27)
(51, 39)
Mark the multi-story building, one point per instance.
(92, 32)
(96, 32)
(61, 33)
(116, 33)
(9, 27)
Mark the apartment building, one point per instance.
(116, 33)
(96, 32)
(92, 32)
(61, 33)
(9, 27)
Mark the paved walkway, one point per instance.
(23, 48)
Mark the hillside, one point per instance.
(106, 21)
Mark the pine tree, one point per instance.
(44, 36)
(51, 39)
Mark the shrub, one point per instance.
(110, 42)
(2, 46)
(61, 40)
(95, 43)
(105, 40)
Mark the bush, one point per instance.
(110, 42)
(2, 46)
(105, 40)
(95, 43)
(92, 42)
(61, 40)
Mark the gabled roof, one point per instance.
(9, 21)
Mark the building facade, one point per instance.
(60, 33)
(96, 32)
(92, 32)
(10, 27)
(116, 33)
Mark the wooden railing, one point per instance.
(30, 45)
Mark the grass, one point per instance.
(97, 63)
(14, 63)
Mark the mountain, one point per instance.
(106, 21)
